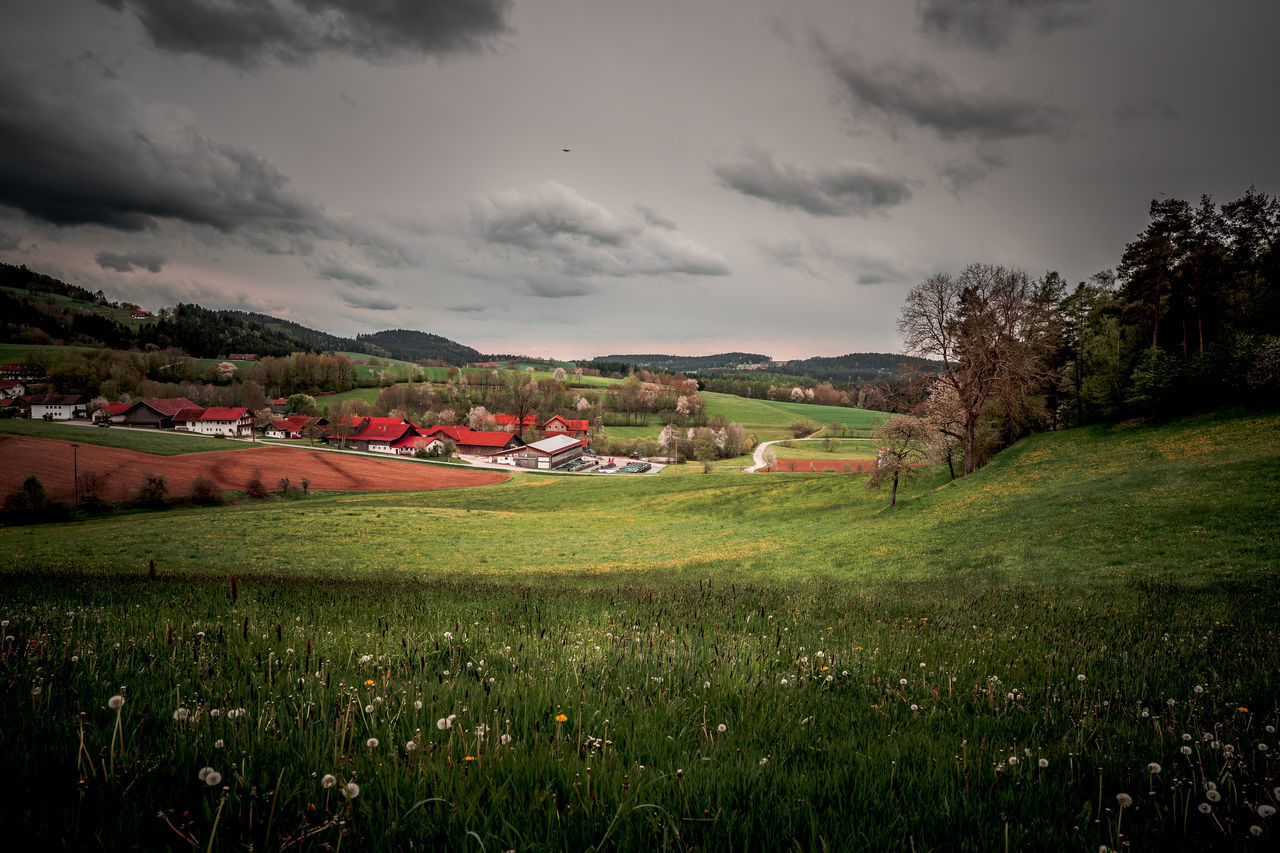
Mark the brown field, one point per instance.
(121, 470)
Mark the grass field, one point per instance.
(849, 448)
(161, 443)
(989, 666)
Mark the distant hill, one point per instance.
(688, 363)
(856, 366)
(412, 345)
(314, 338)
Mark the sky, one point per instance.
(575, 178)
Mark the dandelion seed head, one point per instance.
(219, 743)
(328, 780)
(1124, 800)
(372, 743)
(351, 790)
(1043, 763)
(411, 745)
(505, 739)
(1255, 830)
(722, 728)
(1186, 750)
(115, 702)
(368, 709)
(1265, 810)
(1080, 678)
(1204, 808)
(442, 724)
(417, 705)
(1212, 795)
(1153, 767)
(181, 715)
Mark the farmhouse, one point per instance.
(16, 407)
(222, 420)
(411, 444)
(160, 413)
(475, 442)
(557, 425)
(112, 412)
(550, 452)
(11, 389)
(374, 434)
(507, 423)
(25, 372)
(293, 426)
(57, 407)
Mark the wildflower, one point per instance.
(219, 743)
(830, 677)
(215, 713)
(1013, 759)
(368, 709)
(1266, 810)
(561, 718)
(1255, 830)
(1153, 767)
(722, 728)
(845, 673)
(328, 780)
(1262, 747)
(902, 682)
(442, 724)
(372, 743)
(368, 682)
(1212, 796)
(1204, 808)
(351, 790)
(482, 730)
(1080, 678)
(1124, 800)
(468, 758)
(181, 715)
(1043, 763)
(115, 702)
(411, 745)
(1186, 750)
(417, 705)
(764, 761)
(448, 635)
(915, 707)
(783, 682)
(204, 773)
(706, 685)
(505, 739)
(1186, 736)
(213, 779)
(1199, 689)
(75, 658)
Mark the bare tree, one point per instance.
(521, 400)
(986, 326)
(904, 439)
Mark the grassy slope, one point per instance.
(1195, 496)
(161, 443)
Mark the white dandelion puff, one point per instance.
(1153, 767)
(1043, 763)
(372, 743)
(1124, 800)
(351, 790)
(115, 702)
(328, 780)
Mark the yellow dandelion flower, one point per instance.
(369, 683)
(561, 718)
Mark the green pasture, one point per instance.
(850, 448)
(159, 442)
(1075, 647)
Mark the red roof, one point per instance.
(386, 429)
(187, 414)
(223, 413)
(454, 432)
(116, 408)
(414, 441)
(510, 420)
(171, 406)
(557, 423)
(54, 399)
(484, 438)
(9, 383)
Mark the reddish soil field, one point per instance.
(801, 466)
(121, 470)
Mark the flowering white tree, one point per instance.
(479, 418)
(722, 438)
(558, 374)
(682, 406)
(669, 439)
(583, 404)
(808, 394)
(797, 395)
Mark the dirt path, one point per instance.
(121, 470)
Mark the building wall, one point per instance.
(58, 413)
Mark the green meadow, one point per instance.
(1075, 647)
(161, 443)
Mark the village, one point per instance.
(564, 444)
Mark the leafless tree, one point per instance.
(986, 326)
(903, 440)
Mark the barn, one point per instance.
(550, 452)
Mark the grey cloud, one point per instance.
(469, 309)
(337, 272)
(8, 242)
(818, 259)
(370, 303)
(75, 157)
(928, 97)
(248, 33)
(652, 217)
(843, 190)
(1143, 109)
(989, 24)
(964, 174)
(570, 237)
(130, 261)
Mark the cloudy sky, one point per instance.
(740, 174)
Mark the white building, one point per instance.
(548, 453)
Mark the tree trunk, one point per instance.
(893, 495)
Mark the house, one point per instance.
(557, 425)
(140, 315)
(112, 412)
(24, 372)
(475, 442)
(160, 413)
(17, 407)
(280, 406)
(373, 434)
(11, 389)
(221, 420)
(293, 426)
(57, 407)
(507, 423)
(410, 445)
(550, 452)
(242, 356)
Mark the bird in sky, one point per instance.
(565, 150)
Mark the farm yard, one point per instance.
(1075, 647)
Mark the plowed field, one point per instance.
(121, 470)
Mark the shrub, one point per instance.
(153, 490)
(254, 488)
(90, 486)
(29, 503)
(205, 491)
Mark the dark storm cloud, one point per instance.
(8, 242)
(73, 156)
(337, 272)
(130, 261)
(553, 228)
(247, 33)
(369, 303)
(843, 190)
(988, 24)
(929, 97)
(966, 173)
